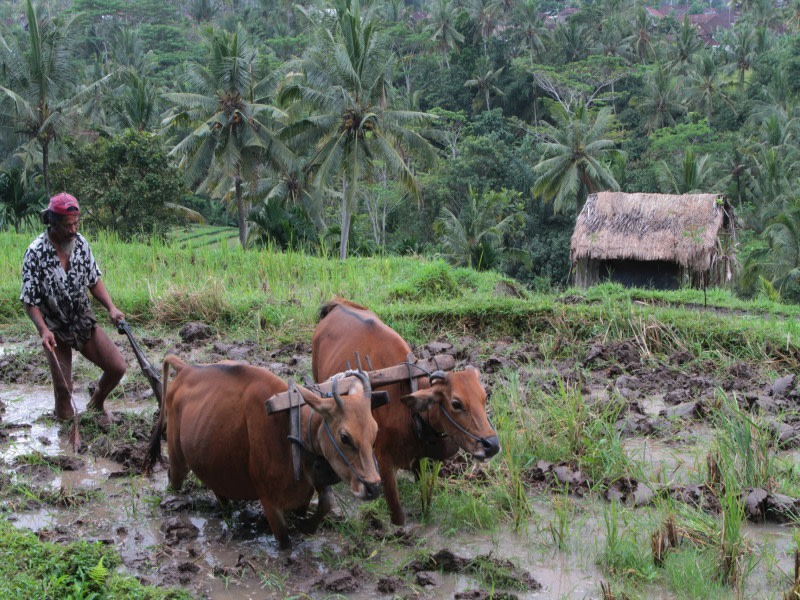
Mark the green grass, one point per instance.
(30, 568)
(198, 236)
(690, 573)
(745, 452)
(264, 295)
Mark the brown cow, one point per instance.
(412, 425)
(218, 427)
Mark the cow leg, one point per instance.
(178, 469)
(323, 508)
(389, 482)
(277, 523)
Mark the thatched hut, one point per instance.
(654, 240)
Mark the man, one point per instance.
(57, 270)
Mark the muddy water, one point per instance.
(24, 407)
(126, 514)
(123, 514)
(668, 461)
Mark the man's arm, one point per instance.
(99, 291)
(48, 339)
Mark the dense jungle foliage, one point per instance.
(472, 130)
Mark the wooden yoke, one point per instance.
(420, 368)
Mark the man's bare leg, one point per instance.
(60, 363)
(101, 351)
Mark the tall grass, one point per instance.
(744, 448)
(569, 429)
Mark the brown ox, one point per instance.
(218, 427)
(412, 425)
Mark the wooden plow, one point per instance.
(410, 371)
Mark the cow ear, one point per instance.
(419, 401)
(319, 404)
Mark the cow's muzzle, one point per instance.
(491, 446)
(372, 491)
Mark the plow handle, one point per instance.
(150, 372)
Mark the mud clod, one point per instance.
(389, 585)
(428, 579)
(177, 530)
(342, 582)
(195, 332)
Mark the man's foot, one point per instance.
(102, 415)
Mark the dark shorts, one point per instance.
(77, 333)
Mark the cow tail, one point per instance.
(154, 450)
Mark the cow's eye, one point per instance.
(346, 440)
(456, 404)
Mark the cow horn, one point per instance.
(438, 375)
(365, 384)
(335, 392)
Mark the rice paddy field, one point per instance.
(648, 440)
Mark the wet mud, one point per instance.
(188, 540)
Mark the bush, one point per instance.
(125, 184)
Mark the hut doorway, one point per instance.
(654, 274)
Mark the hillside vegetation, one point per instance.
(468, 130)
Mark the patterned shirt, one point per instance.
(61, 295)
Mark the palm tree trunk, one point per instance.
(241, 210)
(347, 193)
(46, 166)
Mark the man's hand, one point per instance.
(48, 341)
(116, 314)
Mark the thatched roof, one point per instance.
(682, 229)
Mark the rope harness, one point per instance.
(323, 471)
(442, 376)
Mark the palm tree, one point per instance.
(473, 237)
(791, 15)
(202, 10)
(484, 14)
(686, 44)
(529, 29)
(763, 14)
(40, 101)
(661, 102)
(345, 82)
(445, 35)
(235, 136)
(128, 51)
(573, 40)
(779, 262)
(704, 85)
(770, 184)
(740, 48)
(695, 177)
(293, 185)
(484, 80)
(576, 157)
(135, 104)
(640, 42)
(612, 40)
(19, 203)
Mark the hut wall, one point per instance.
(586, 272)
